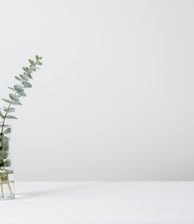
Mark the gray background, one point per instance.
(114, 99)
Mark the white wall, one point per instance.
(114, 99)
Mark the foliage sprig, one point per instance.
(18, 91)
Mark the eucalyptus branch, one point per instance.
(18, 91)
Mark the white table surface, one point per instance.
(100, 202)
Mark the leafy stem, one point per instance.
(18, 91)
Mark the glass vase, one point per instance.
(7, 190)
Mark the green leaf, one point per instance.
(26, 69)
(33, 68)
(4, 142)
(11, 88)
(3, 154)
(16, 77)
(10, 117)
(27, 84)
(9, 110)
(4, 138)
(18, 88)
(7, 101)
(16, 103)
(7, 131)
(12, 97)
(29, 75)
(23, 77)
(21, 93)
(38, 58)
(39, 63)
(7, 163)
(31, 62)
(15, 99)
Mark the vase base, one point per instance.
(7, 197)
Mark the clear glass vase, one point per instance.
(7, 190)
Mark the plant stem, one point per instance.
(6, 114)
